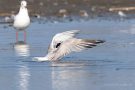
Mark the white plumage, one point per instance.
(64, 43)
(121, 14)
(22, 19)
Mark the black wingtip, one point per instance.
(100, 41)
(91, 43)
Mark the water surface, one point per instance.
(108, 66)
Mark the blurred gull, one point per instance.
(64, 43)
(121, 14)
(63, 13)
(10, 19)
(37, 16)
(22, 19)
(83, 13)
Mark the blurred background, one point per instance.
(69, 7)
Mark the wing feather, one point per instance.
(74, 45)
(61, 37)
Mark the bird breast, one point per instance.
(21, 22)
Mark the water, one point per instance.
(109, 66)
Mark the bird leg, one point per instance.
(24, 36)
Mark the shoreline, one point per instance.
(69, 7)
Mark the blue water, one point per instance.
(109, 66)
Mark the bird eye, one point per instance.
(58, 44)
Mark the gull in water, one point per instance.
(64, 43)
(22, 19)
(121, 14)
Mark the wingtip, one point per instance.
(100, 41)
(92, 43)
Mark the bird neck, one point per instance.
(23, 11)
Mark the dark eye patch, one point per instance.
(58, 44)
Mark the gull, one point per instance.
(121, 14)
(64, 43)
(9, 19)
(22, 19)
(84, 13)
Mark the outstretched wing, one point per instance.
(60, 38)
(75, 45)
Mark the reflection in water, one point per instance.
(24, 76)
(69, 78)
(75, 63)
(21, 48)
(131, 30)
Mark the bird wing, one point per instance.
(61, 37)
(75, 45)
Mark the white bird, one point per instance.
(121, 14)
(64, 43)
(10, 19)
(22, 19)
(84, 13)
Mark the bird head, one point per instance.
(23, 3)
